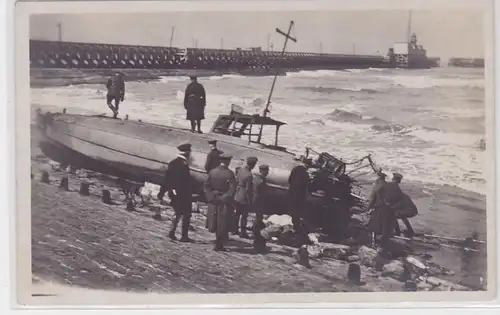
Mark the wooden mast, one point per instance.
(287, 37)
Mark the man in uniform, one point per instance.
(178, 182)
(382, 220)
(219, 189)
(244, 195)
(260, 191)
(376, 187)
(404, 209)
(194, 103)
(116, 92)
(213, 157)
(298, 188)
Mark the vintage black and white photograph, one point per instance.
(264, 151)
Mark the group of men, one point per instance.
(387, 204)
(230, 196)
(194, 99)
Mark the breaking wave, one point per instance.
(425, 82)
(226, 76)
(427, 134)
(329, 90)
(165, 79)
(314, 73)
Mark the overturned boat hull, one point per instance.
(140, 151)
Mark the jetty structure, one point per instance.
(253, 61)
(466, 62)
(61, 54)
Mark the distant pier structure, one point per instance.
(466, 62)
(411, 55)
(59, 54)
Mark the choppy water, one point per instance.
(425, 124)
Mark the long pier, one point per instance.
(58, 54)
(466, 62)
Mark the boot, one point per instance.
(219, 247)
(172, 236)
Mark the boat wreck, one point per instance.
(140, 151)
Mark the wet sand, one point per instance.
(82, 243)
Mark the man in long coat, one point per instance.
(376, 187)
(194, 103)
(219, 188)
(244, 195)
(116, 92)
(213, 157)
(404, 209)
(260, 190)
(382, 220)
(298, 188)
(178, 183)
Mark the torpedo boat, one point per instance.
(140, 151)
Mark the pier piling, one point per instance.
(64, 184)
(84, 189)
(106, 197)
(45, 178)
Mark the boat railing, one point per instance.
(237, 124)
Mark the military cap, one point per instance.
(192, 77)
(264, 167)
(226, 156)
(397, 176)
(212, 142)
(252, 160)
(185, 147)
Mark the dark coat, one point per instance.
(219, 190)
(260, 192)
(244, 186)
(213, 160)
(116, 86)
(298, 187)
(405, 208)
(373, 196)
(298, 182)
(195, 101)
(383, 218)
(178, 182)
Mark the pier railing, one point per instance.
(53, 54)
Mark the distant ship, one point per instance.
(409, 54)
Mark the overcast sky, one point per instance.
(444, 33)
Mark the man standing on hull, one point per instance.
(213, 157)
(116, 92)
(244, 195)
(194, 103)
(219, 188)
(178, 182)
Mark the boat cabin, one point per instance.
(237, 124)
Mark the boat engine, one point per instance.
(330, 181)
